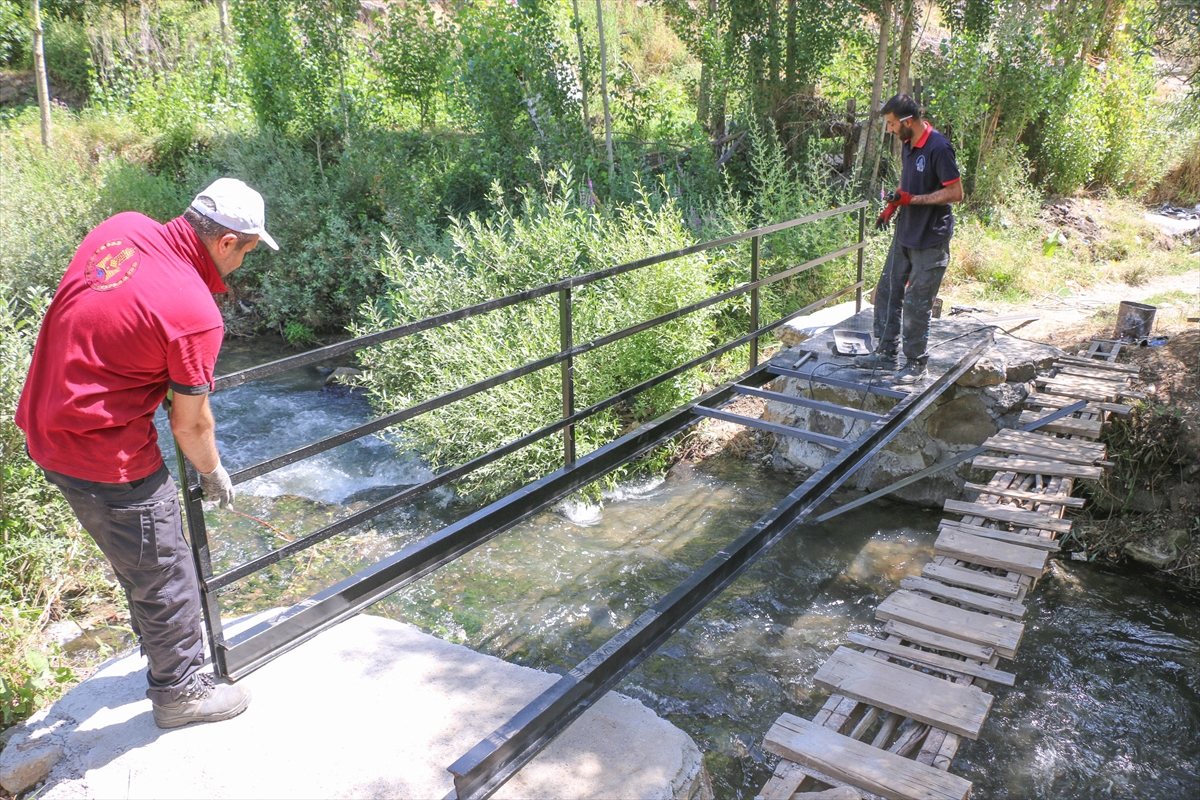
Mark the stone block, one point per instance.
(989, 370)
(26, 762)
(1150, 554)
(963, 421)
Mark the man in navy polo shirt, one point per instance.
(920, 253)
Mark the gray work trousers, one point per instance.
(904, 298)
(139, 528)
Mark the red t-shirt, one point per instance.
(133, 314)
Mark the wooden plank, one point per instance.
(1035, 437)
(860, 765)
(933, 660)
(1035, 467)
(1017, 494)
(1077, 382)
(1012, 537)
(939, 641)
(1058, 401)
(972, 579)
(1080, 371)
(1040, 445)
(964, 597)
(784, 782)
(905, 691)
(1080, 393)
(1070, 427)
(1091, 362)
(1004, 635)
(991, 553)
(1010, 514)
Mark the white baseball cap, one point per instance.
(237, 207)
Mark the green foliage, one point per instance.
(413, 54)
(15, 35)
(554, 235)
(41, 545)
(68, 53)
(1075, 140)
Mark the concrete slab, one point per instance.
(371, 708)
(805, 326)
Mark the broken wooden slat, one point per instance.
(1012, 537)
(933, 660)
(1038, 445)
(1035, 467)
(859, 764)
(784, 782)
(1071, 427)
(1004, 635)
(991, 553)
(1011, 514)
(1090, 373)
(1058, 401)
(938, 641)
(1017, 494)
(1091, 362)
(972, 579)
(904, 691)
(964, 597)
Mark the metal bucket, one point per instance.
(1134, 321)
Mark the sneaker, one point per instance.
(205, 700)
(880, 359)
(913, 372)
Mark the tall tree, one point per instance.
(869, 141)
(608, 144)
(583, 77)
(39, 74)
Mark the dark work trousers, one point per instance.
(904, 298)
(139, 528)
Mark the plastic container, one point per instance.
(1134, 321)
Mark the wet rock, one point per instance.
(1150, 554)
(1177, 539)
(26, 762)
(341, 374)
(65, 631)
(989, 370)
(964, 420)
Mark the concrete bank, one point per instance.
(371, 708)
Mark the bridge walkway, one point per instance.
(900, 706)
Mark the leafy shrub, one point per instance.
(68, 54)
(42, 548)
(14, 34)
(1075, 139)
(554, 235)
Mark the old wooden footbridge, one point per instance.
(901, 701)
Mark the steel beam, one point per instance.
(819, 405)
(772, 427)
(486, 767)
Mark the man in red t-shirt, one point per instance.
(133, 316)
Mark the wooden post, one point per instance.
(39, 74)
(850, 148)
(608, 144)
(223, 15)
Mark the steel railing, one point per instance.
(253, 648)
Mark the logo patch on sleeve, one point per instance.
(112, 264)
(920, 163)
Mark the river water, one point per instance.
(1107, 701)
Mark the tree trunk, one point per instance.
(903, 78)
(223, 15)
(39, 74)
(608, 144)
(791, 58)
(583, 80)
(868, 144)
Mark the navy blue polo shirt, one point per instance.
(928, 166)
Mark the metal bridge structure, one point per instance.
(486, 766)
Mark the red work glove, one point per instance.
(885, 218)
(899, 196)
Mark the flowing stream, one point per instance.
(1107, 701)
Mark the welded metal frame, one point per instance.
(485, 768)
(250, 649)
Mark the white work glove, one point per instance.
(217, 487)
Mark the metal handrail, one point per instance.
(260, 648)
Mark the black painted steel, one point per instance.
(819, 405)
(936, 468)
(250, 650)
(755, 263)
(493, 761)
(812, 377)
(772, 427)
(354, 345)
(388, 420)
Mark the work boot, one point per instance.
(204, 700)
(913, 372)
(880, 359)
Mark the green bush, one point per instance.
(43, 552)
(554, 235)
(14, 34)
(1075, 140)
(68, 54)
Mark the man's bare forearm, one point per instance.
(942, 197)
(195, 430)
